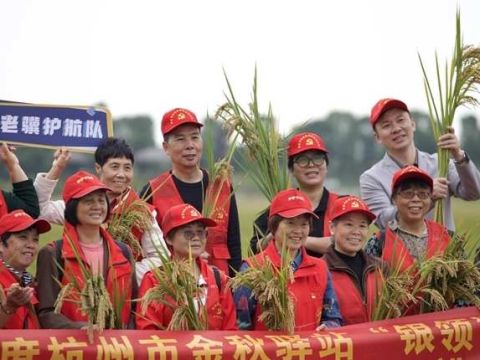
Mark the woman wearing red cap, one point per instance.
(308, 163)
(84, 239)
(19, 243)
(356, 275)
(186, 235)
(314, 298)
(410, 236)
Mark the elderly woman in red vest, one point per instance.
(186, 235)
(19, 242)
(410, 236)
(308, 163)
(356, 275)
(315, 302)
(84, 240)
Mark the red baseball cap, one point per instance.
(80, 184)
(183, 214)
(383, 105)
(290, 203)
(411, 172)
(176, 117)
(350, 204)
(19, 220)
(305, 141)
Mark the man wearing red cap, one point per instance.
(186, 235)
(308, 163)
(19, 242)
(410, 236)
(187, 183)
(315, 302)
(356, 276)
(394, 128)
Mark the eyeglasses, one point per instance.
(410, 194)
(304, 160)
(190, 235)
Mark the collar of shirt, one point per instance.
(25, 277)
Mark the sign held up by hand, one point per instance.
(79, 128)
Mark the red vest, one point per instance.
(307, 289)
(353, 306)
(3, 205)
(118, 278)
(165, 195)
(118, 206)
(219, 306)
(328, 213)
(396, 254)
(25, 316)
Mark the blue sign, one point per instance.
(79, 128)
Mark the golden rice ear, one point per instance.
(456, 84)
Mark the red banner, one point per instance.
(449, 335)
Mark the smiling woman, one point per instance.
(85, 258)
(19, 245)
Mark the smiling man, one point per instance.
(394, 129)
(187, 183)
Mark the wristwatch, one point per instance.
(464, 160)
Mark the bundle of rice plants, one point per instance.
(259, 133)
(91, 296)
(177, 288)
(128, 217)
(452, 276)
(269, 286)
(461, 78)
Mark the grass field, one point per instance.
(467, 216)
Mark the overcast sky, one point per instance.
(145, 57)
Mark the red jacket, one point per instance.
(3, 205)
(328, 213)
(307, 290)
(165, 195)
(24, 317)
(396, 254)
(118, 275)
(355, 307)
(219, 306)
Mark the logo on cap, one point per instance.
(84, 178)
(20, 214)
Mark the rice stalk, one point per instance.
(92, 297)
(135, 215)
(452, 276)
(220, 171)
(269, 286)
(177, 289)
(453, 86)
(259, 133)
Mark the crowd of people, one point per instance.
(337, 268)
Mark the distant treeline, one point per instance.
(352, 148)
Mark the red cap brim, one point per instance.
(295, 212)
(89, 190)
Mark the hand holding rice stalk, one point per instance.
(135, 214)
(266, 148)
(269, 286)
(177, 289)
(92, 297)
(460, 83)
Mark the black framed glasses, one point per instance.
(303, 161)
(410, 194)
(190, 235)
